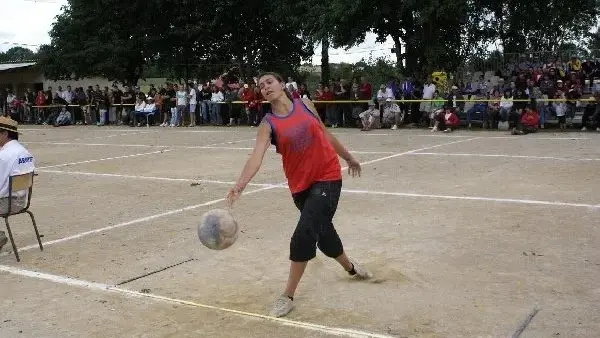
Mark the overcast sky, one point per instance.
(41, 13)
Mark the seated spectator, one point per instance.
(370, 117)
(63, 118)
(392, 115)
(479, 107)
(591, 114)
(446, 120)
(494, 109)
(144, 108)
(529, 120)
(437, 106)
(456, 101)
(14, 160)
(506, 105)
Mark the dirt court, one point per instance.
(466, 234)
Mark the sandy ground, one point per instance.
(461, 244)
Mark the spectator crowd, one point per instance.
(522, 97)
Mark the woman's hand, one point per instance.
(353, 167)
(233, 195)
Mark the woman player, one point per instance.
(309, 153)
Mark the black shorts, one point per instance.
(317, 206)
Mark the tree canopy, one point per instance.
(200, 38)
(17, 54)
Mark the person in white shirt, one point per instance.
(428, 91)
(181, 105)
(193, 102)
(14, 160)
(215, 106)
(392, 114)
(506, 104)
(370, 117)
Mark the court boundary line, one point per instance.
(191, 207)
(138, 220)
(528, 157)
(208, 146)
(575, 138)
(103, 159)
(94, 286)
(349, 191)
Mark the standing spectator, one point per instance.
(303, 92)
(428, 93)
(39, 102)
(117, 99)
(193, 91)
(103, 104)
(215, 106)
(177, 114)
(366, 90)
(560, 107)
(330, 112)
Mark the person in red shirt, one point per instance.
(530, 120)
(310, 162)
(446, 120)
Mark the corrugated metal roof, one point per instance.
(9, 66)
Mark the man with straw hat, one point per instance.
(14, 160)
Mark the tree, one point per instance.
(109, 38)
(427, 34)
(17, 54)
(593, 44)
(539, 25)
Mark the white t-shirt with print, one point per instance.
(181, 98)
(14, 160)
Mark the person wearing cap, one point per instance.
(370, 117)
(14, 160)
(392, 114)
(63, 118)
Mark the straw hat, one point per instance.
(6, 123)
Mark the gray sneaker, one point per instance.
(3, 239)
(283, 305)
(361, 272)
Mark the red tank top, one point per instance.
(307, 154)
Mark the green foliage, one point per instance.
(122, 39)
(17, 54)
(109, 38)
(539, 25)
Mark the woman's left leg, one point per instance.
(315, 229)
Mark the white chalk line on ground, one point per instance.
(104, 159)
(153, 178)
(350, 191)
(107, 136)
(140, 220)
(209, 146)
(466, 136)
(528, 157)
(473, 198)
(171, 212)
(93, 286)
(418, 150)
